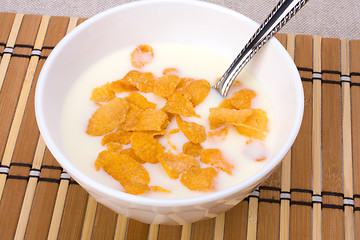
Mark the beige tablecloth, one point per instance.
(327, 18)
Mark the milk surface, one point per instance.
(191, 61)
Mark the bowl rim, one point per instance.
(92, 184)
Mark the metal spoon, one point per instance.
(266, 30)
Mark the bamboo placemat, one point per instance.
(315, 193)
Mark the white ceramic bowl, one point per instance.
(194, 22)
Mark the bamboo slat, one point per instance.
(332, 185)
(301, 174)
(314, 193)
(346, 142)
(316, 140)
(355, 124)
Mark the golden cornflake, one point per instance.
(159, 189)
(170, 70)
(219, 134)
(166, 85)
(147, 120)
(192, 149)
(215, 158)
(198, 89)
(102, 94)
(114, 147)
(242, 98)
(179, 103)
(255, 125)
(226, 103)
(106, 118)
(231, 116)
(146, 147)
(144, 81)
(132, 175)
(193, 131)
(118, 86)
(140, 101)
(142, 55)
(130, 152)
(119, 136)
(199, 179)
(174, 165)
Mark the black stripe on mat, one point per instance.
(51, 167)
(21, 165)
(23, 46)
(332, 194)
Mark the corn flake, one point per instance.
(174, 165)
(114, 147)
(147, 120)
(242, 98)
(170, 70)
(119, 136)
(146, 147)
(199, 179)
(198, 89)
(219, 116)
(106, 118)
(142, 55)
(130, 152)
(219, 134)
(192, 149)
(102, 94)
(179, 103)
(193, 131)
(132, 175)
(215, 158)
(255, 125)
(166, 85)
(144, 81)
(140, 101)
(159, 189)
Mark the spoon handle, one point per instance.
(266, 30)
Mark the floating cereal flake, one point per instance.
(219, 134)
(102, 93)
(130, 152)
(120, 136)
(147, 120)
(170, 70)
(108, 117)
(144, 81)
(255, 125)
(198, 89)
(132, 175)
(166, 85)
(118, 86)
(140, 101)
(199, 179)
(183, 82)
(215, 158)
(114, 147)
(146, 147)
(219, 116)
(174, 165)
(142, 55)
(226, 103)
(172, 131)
(179, 103)
(192, 149)
(159, 189)
(242, 98)
(193, 131)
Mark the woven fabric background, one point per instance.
(326, 18)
